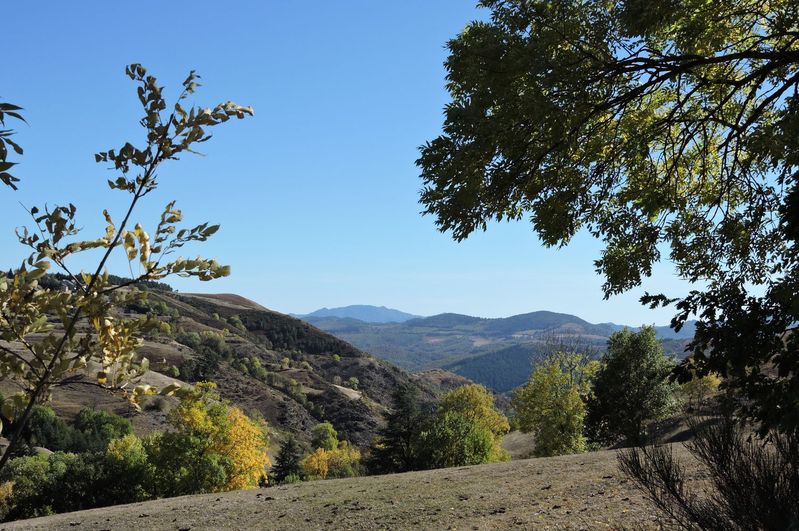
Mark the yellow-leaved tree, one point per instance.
(47, 334)
(214, 447)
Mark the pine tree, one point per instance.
(288, 461)
(395, 449)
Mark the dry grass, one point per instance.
(571, 492)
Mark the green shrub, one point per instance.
(181, 465)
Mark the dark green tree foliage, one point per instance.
(64, 482)
(91, 432)
(655, 126)
(396, 447)
(288, 461)
(210, 349)
(100, 428)
(631, 389)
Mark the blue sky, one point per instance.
(318, 194)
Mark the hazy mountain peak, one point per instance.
(366, 313)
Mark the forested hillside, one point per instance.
(270, 364)
(498, 353)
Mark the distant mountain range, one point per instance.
(498, 353)
(363, 312)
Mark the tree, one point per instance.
(631, 388)
(324, 436)
(657, 127)
(452, 439)
(37, 355)
(395, 448)
(476, 404)
(214, 447)
(288, 462)
(551, 404)
(317, 464)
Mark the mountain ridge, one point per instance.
(363, 312)
(496, 352)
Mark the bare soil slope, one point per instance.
(570, 492)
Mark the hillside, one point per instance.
(270, 364)
(497, 353)
(526, 494)
(365, 313)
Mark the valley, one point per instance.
(498, 353)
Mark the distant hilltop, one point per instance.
(498, 352)
(365, 313)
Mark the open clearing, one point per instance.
(582, 491)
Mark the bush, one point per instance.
(341, 462)
(99, 428)
(61, 482)
(754, 483)
(211, 349)
(45, 429)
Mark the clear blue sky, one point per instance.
(318, 194)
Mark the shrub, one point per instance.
(754, 483)
(99, 428)
(92, 430)
(344, 461)
(316, 464)
(45, 429)
(340, 462)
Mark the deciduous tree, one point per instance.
(476, 403)
(36, 354)
(551, 404)
(631, 388)
(659, 127)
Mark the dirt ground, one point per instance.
(582, 491)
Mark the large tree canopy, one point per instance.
(659, 127)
